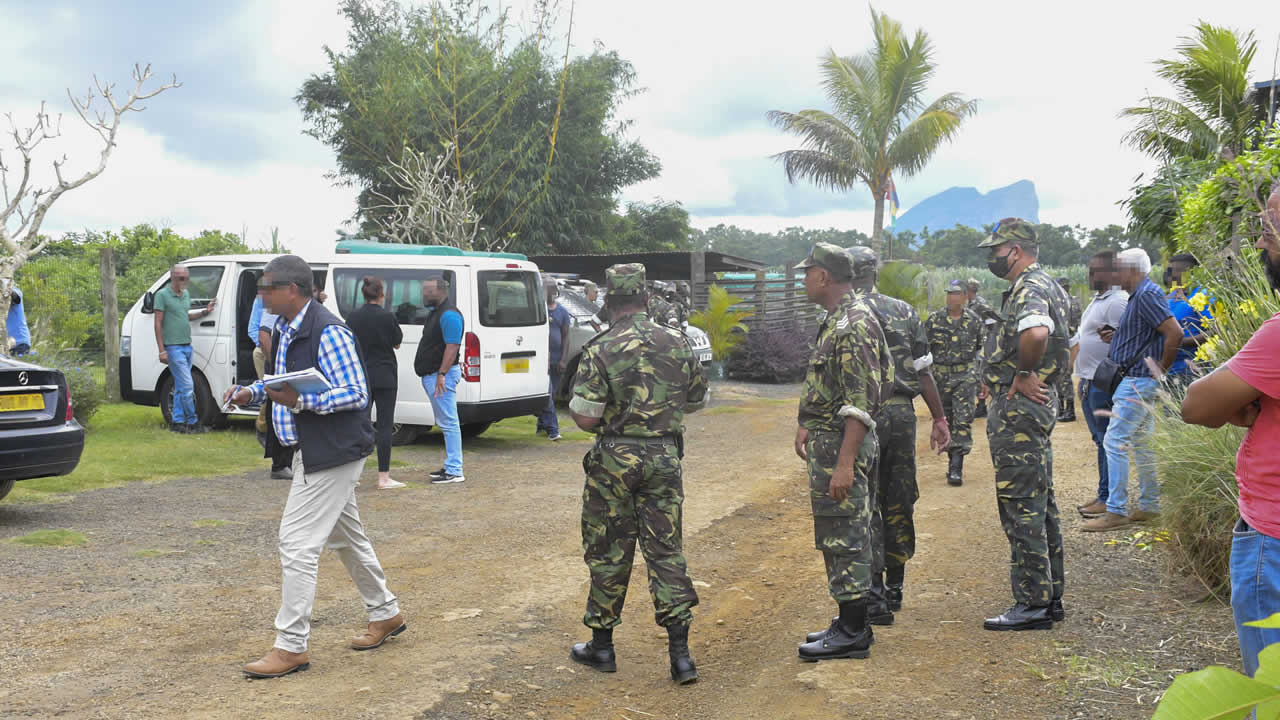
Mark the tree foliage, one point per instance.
(785, 248)
(722, 324)
(880, 123)
(534, 132)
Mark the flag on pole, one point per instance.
(891, 197)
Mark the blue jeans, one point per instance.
(1255, 590)
(445, 409)
(1130, 428)
(547, 419)
(1091, 400)
(184, 396)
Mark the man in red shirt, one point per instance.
(1246, 392)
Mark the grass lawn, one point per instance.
(128, 442)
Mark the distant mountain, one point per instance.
(967, 206)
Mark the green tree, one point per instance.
(880, 124)
(534, 133)
(1212, 115)
(659, 225)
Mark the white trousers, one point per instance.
(321, 512)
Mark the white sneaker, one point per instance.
(555, 437)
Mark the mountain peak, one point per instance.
(966, 206)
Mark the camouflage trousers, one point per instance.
(1018, 431)
(1066, 393)
(959, 390)
(842, 530)
(634, 491)
(894, 492)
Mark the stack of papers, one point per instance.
(306, 382)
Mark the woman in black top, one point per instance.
(379, 335)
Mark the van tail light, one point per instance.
(70, 408)
(471, 358)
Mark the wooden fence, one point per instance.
(777, 303)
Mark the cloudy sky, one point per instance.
(226, 150)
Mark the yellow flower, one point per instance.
(1207, 350)
(1249, 308)
(1198, 301)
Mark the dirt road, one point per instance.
(179, 582)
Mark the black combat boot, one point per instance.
(955, 471)
(683, 671)
(893, 578)
(878, 612)
(1057, 611)
(1021, 617)
(981, 410)
(849, 637)
(1068, 412)
(598, 653)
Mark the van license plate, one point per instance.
(13, 403)
(704, 357)
(515, 365)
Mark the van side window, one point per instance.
(511, 298)
(203, 285)
(403, 288)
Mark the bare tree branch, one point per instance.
(434, 207)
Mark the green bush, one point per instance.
(722, 324)
(87, 395)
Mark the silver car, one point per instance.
(583, 328)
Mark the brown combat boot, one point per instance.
(276, 663)
(378, 633)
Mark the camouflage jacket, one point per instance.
(640, 378)
(954, 341)
(663, 312)
(1073, 315)
(980, 307)
(908, 344)
(1034, 299)
(850, 372)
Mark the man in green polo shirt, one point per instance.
(173, 336)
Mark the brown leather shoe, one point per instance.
(1104, 522)
(378, 633)
(277, 663)
(1141, 516)
(1093, 509)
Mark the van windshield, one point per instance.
(511, 298)
(403, 289)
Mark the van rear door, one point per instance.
(511, 336)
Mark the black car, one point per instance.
(39, 437)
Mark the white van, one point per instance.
(503, 354)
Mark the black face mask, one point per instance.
(1000, 266)
(1273, 270)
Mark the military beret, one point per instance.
(955, 286)
(1009, 230)
(831, 258)
(624, 279)
(863, 260)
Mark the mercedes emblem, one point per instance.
(519, 339)
(22, 378)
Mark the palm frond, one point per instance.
(921, 138)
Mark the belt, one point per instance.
(612, 440)
(954, 366)
(898, 399)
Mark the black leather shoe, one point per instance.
(598, 653)
(1056, 611)
(838, 642)
(819, 634)
(1021, 617)
(197, 429)
(981, 410)
(683, 671)
(179, 428)
(955, 470)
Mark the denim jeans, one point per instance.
(445, 409)
(547, 419)
(1130, 428)
(184, 396)
(1091, 400)
(1255, 590)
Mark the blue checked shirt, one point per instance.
(340, 364)
(1136, 338)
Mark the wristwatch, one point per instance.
(1024, 373)
(297, 407)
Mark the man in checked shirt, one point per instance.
(331, 434)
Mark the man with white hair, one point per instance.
(1147, 330)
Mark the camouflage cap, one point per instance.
(624, 279)
(1009, 230)
(1064, 281)
(831, 258)
(863, 260)
(955, 286)
(973, 282)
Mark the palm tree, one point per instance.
(1213, 116)
(880, 124)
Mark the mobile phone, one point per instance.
(1106, 327)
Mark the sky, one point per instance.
(227, 150)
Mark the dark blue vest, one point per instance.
(326, 440)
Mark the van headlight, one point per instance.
(126, 346)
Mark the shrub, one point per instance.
(722, 324)
(772, 356)
(86, 394)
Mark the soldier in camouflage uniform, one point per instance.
(660, 311)
(1066, 392)
(894, 492)
(1024, 409)
(979, 306)
(635, 383)
(955, 339)
(850, 372)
